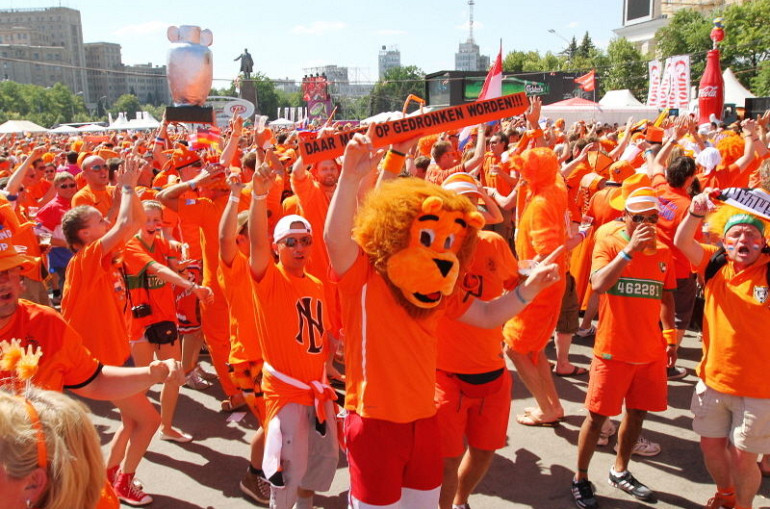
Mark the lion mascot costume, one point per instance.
(414, 240)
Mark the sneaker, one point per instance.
(644, 447)
(583, 493)
(196, 381)
(608, 429)
(585, 333)
(675, 373)
(630, 485)
(255, 487)
(209, 377)
(461, 506)
(719, 501)
(112, 476)
(128, 493)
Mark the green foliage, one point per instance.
(44, 106)
(686, 33)
(127, 103)
(760, 84)
(625, 69)
(586, 48)
(391, 91)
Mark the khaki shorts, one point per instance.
(569, 315)
(745, 421)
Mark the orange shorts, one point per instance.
(642, 386)
(478, 413)
(531, 330)
(247, 377)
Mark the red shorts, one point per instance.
(385, 456)
(642, 386)
(478, 412)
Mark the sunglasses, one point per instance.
(293, 241)
(638, 218)
(98, 167)
(67, 186)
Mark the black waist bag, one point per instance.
(161, 333)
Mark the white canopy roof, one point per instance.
(281, 122)
(21, 126)
(619, 98)
(735, 93)
(64, 129)
(92, 128)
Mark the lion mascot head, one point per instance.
(418, 237)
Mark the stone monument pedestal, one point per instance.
(248, 91)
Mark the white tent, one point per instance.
(735, 93)
(574, 109)
(281, 122)
(92, 128)
(21, 126)
(64, 129)
(620, 99)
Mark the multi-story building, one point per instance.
(388, 59)
(50, 27)
(147, 83)
(469, 57)
(642, 18)
(106, 78)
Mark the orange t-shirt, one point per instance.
(290, 206)
(315, 205)
(572, 181)
(735, 324)
(674, 204)
(294, 313)
(203, 215)
(722, 178)
(244, 331)
(65, 361)
(148, 288)
(629, 312)
(94, 302)
(390, 356)
(466, 349)
(488, 180)
(100, 200)
(437, 176)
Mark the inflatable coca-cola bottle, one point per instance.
(711, 91)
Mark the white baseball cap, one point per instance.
(283, 228)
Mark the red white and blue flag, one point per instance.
(493, 87)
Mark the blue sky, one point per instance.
(286, 36)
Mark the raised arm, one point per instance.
(356, 165)
(231, 146)
(684, 239)
(126, 224)
(17, 177)
(603, 279)
(478, 153)
(228, 223)
(494, 313)
(117, 382)
(259, 238)
(169, 197)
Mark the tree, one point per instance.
(391, 91)
(127, 103)
(44, 106)
(747, 40)
(586, 48)
(267, 96)
(686, 33)
(625, 68)
(571, 50)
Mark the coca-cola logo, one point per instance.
(708, 91)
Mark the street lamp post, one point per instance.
(557, 34)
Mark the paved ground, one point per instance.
(533, 470)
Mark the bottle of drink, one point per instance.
(711, 91)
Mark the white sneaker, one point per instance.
(209, 377)
(608, 429)
(196, 381)
(644, 447)
(585, 333)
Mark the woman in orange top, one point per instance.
(149, 281)
(93, 303)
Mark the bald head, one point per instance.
(95, 172)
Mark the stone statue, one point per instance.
(247, 63)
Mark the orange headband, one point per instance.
(42, 456)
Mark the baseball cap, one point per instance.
(10, 258)
(283, 228)
(461, 183)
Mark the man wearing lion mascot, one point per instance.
(397, 275)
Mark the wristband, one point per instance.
(234, 198)
(160, 140)
(192, 184)
(648, 151)
(127, 189)
(259, 197)
(670, 336)
(11, 197)
(394, 151)
(625, 255)
(693, 214)
(519, 296)
(393, 162)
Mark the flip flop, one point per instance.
(529, 420)
(576, 371)
(530, 411)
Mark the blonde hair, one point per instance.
(75, 469)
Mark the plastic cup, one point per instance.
(526, 267)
